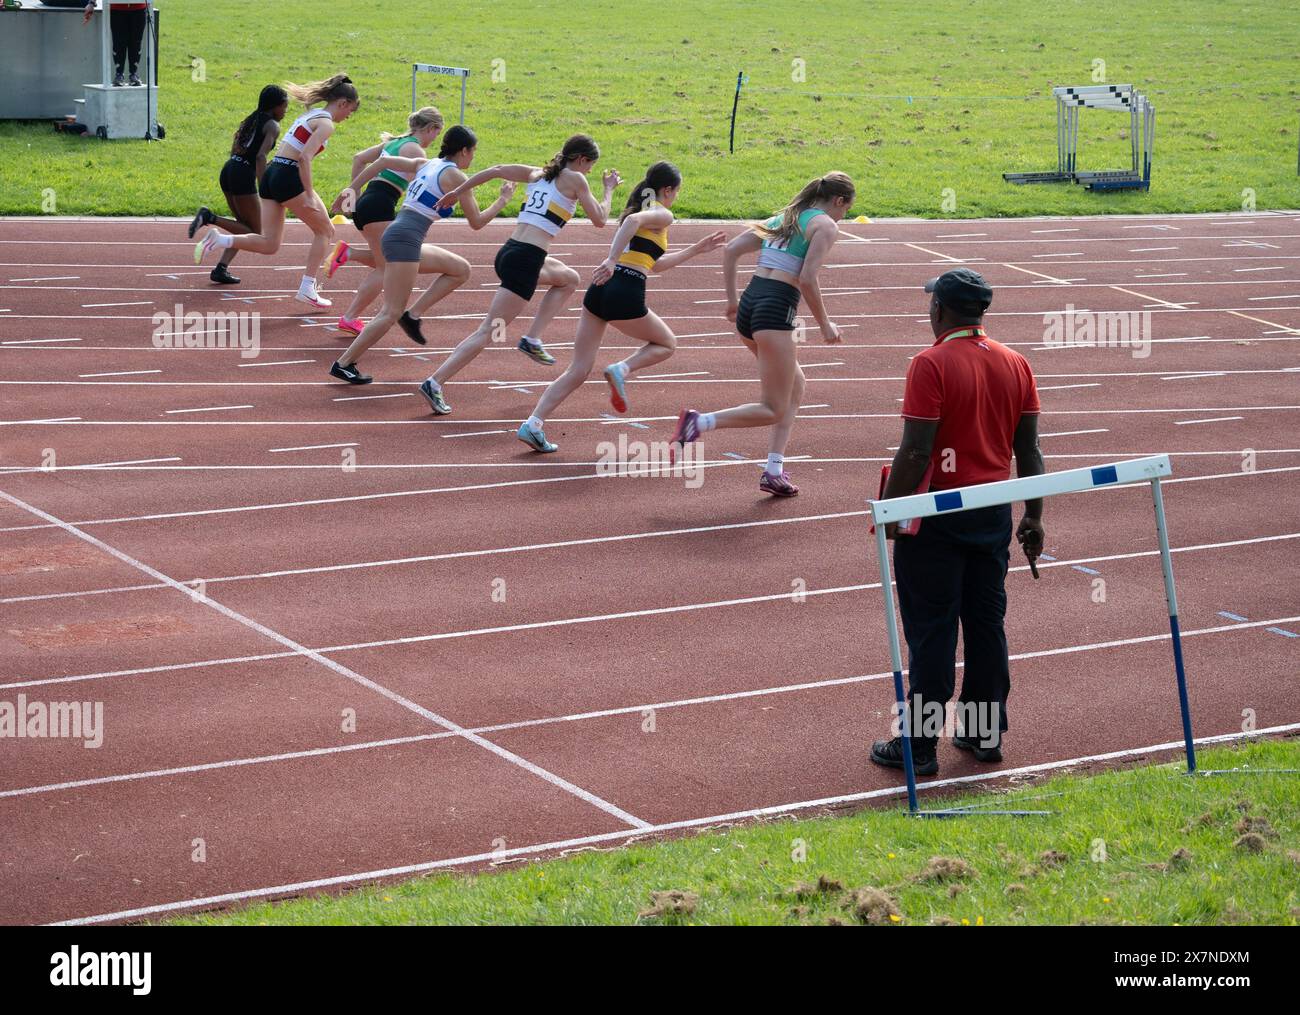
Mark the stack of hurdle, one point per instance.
(1142, 136)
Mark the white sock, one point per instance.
(434, 382)
(221, 239)
(534, 422)
(307, 285)
(706, 422)
(775, 465)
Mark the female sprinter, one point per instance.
(286, 184)
(403, 245)
(252, 144)
(791, 248)
(554, 191)
(377, 207)
(617, 296)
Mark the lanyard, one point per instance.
(975, 332)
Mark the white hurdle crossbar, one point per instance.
(941, 502)
(434, 68)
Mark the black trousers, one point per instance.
(128, 31)
(954, 571)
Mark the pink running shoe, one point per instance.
(338, 258)
(688, 431)
(351, 327)
(778, 486)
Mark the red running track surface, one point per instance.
(454, 650)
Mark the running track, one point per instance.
(488, 730)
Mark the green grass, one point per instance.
(657, 81)
(745, 875)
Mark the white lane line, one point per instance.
(136, 303)
(429, 491)
(604, 713)
(298, 649)
(474, 433)
(105, 465)
(363, 398)
(122, 373)
(1216, 419)
(1192, 377)
(836, 363)
(206, 408)
(1289, 296)
(627, 838)
(819, 405)
(1064, 387)
(1278, 267)
(276, 363)
(1029, 271)
(1071, 433)
(462, 554)
(28, 422)
(1071, 230)
(49, 278)
(959, 236)
(935, 253)
(655, 377)
(34, 341)
(1166, 274)
(1143, 250)
(314, 447)
(1077, 253)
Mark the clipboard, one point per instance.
(913, 525)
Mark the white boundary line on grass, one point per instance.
(628, 838)
(298, 649)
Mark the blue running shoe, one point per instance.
(535, 439)
(434, 397)
(537, 353)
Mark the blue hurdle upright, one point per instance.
(926, 505)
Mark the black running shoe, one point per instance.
(221, 275)
(991, 755)
(411, 325)
(202, 217)
(890, 754)
(349, 373)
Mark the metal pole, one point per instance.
(413, 74)
(106, 43)
(1172, 599)
(896, 659)
(464, 80)
(731, 144)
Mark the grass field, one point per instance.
(1144, 846)
(657, 81)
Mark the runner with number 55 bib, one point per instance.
(554, 193)
(791, 247)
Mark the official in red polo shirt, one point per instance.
(969, 404)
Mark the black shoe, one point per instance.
(990, 754)
(135, 79)
(349, 373)
(411, 325)
(202, 217)
(221, 275)
(119, 79)
(890, 754)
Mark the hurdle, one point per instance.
(1069, 102)
(941, 502)
(433, 68)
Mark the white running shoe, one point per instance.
(313, 299)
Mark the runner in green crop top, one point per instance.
(376, 207)
(791, 247)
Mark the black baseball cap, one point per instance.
(962, 290)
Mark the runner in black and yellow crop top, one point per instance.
(791, 247)
(554, 192)
(617, 296)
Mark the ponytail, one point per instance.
(419, 120)
(824, 188)
(339, 86)
(578, 146)
(658, 177)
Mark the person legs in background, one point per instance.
(127, 27)
(986, 677)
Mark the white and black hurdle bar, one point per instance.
(926, 505)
